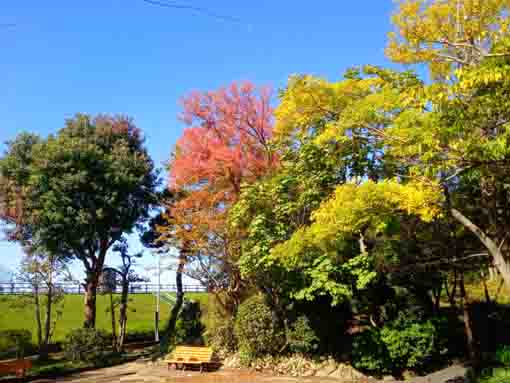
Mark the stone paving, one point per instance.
(143, 372)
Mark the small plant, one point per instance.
(503, 355)
(15, 342)
(223, 340)
(301, 337)
(86, 345)
(255, 329)
(410, 344)
(189, 329)
(497, 375)
(401, 344)
(369, 352)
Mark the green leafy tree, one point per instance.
(78, 191)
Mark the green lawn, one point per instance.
(497, 291)
(140, 315)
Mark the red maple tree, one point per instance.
(226, 144)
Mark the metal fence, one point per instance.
(15, 288)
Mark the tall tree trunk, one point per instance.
(47, 324)
(114, 324)
(494, 250)
(485, 288)
(452, 293)
(91, 284)
(470, 341)
(436, 292)
(170, 328)
(493, 274)
(38, 321)
(123, 313)
(94, 272)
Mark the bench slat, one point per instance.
(191, 355)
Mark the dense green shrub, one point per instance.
(188, 328)
(409, 344)
(401, 344)
(86, 345)
(222, 338)
(497, 375)
(15, 342)
(301, 337)
(330, 332)
(369, 352)
(503, 355)
(256, 330)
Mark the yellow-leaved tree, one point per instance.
(458, 132)
(447, 33)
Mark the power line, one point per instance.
(205, 11)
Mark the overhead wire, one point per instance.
(204, 11)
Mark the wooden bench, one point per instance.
(191, 356)
(19, 366)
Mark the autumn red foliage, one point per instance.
(226, 143)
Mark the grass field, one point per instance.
(140, 314)
(497, 291)
(142, 307)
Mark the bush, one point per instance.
(15, 342)
(369, 352)
(301, 336)
(497, 375)
(256, 330)
(223, 340)
(189, 329)
(86, 345)
(503, 355)
(401, 344)
(409, 344)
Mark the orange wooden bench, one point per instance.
(191, 356)
(18, 366)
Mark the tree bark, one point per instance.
(470, 341)
(91, 284)
(485, 288)
(170, 328)
(493, 274)
(494, 250)
(453, 292)
(114, 324)
(38, 321)
(43, 352)
(123, 313)
(436, 292)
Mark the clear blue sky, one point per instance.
(129, 57)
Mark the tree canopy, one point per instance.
(76, 192)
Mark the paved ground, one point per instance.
(141, 372)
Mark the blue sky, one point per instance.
(129, 57)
